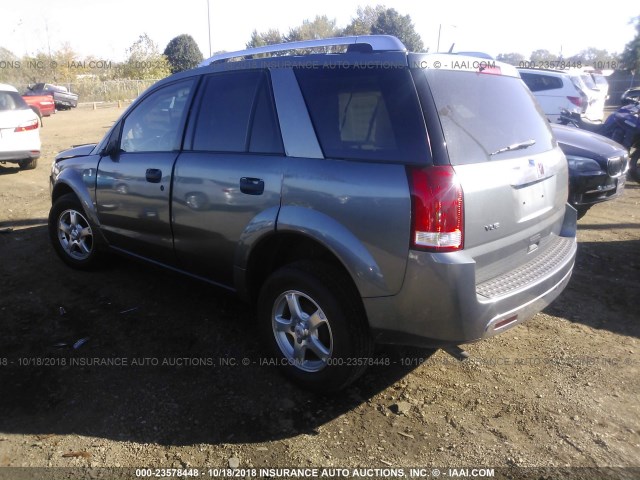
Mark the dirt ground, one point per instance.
(188, 391)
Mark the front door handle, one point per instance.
(252, 186)
(154, 175)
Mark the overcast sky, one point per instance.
(106, 28)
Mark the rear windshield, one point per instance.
(11, 101)
(365, 113)
(588, 81)
(600, 81)
(483, 114)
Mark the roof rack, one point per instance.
(378, 43)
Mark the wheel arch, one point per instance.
(306, 234)
(71, 181)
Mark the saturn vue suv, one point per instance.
(356, 196)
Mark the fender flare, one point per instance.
(341, 242)
(80, 184)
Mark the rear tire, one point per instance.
(313, 322)
(71, 234)
(28, 164)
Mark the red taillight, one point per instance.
(31, 125)
(436, 209)
(577, 101)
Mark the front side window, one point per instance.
(155, 125)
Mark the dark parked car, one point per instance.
(631, 95)
(597, 166)
(374, 195)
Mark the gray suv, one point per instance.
(366, 195)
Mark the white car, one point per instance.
(595, 106)
(602, 84)
(555, 90)
(19, 130)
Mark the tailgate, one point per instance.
(513, 209)
(513, 175)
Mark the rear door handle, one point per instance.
(252, 186)
(154, 175)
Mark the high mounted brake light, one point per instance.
(490, 69)
(436, 209)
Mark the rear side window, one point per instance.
(482, 115)
(237, 115)
(11, 101)
(365, 114)
(539, 83)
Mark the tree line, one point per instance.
(378, 20)
(146, 61)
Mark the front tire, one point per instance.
(582, 211)
(634, 167)
(313, 322)
(71, 234)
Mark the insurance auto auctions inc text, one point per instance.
(353, 472)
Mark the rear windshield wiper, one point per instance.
(515, 146)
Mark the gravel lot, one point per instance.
(559, 391)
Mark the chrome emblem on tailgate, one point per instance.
(539, 166)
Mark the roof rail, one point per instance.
(378, 43)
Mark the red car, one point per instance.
(43, 105)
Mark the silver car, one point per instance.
(361, 197)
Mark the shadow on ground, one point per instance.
(157, 358)
(136, 354)
(603, 291)
(9, 168)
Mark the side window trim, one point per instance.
(298, 134)
(252, 113)
(264, 83)
(190, 117)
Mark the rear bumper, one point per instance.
(17, 155)
(441, 304)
